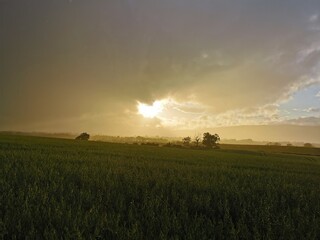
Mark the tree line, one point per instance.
(208, 140)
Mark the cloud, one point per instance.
(192, 115)
(303, 83)
(221, 63)
(313, 18)
(304, 121)
(312, 110)
(249, 116)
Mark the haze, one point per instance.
(76, 65)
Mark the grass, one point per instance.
(54, 188)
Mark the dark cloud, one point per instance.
(63, 60)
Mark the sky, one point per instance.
(148, 67)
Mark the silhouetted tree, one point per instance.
(210, 140)
(273, 144)
(307, 145)
(186, 141)
(83, 136)
(197, 140)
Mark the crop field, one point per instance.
(67, 189)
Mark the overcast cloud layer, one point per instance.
(83, 65)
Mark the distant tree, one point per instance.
(186, 141)
(273, 144)
(197, 140)
(210, 140)
(289, 145)
(83, 136)
(307, 145)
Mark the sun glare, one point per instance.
(150, 111)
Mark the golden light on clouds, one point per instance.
(150, 111)
(196, 65)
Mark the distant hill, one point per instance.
(41, 134)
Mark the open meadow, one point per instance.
(67, 189)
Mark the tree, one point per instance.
(210, 140)
(197, 140)
(83, 136)
(307, 145)
(273, 144)
(186, 141)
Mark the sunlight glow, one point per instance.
(150, 111)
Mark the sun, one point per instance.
(150, 111)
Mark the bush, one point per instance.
(83, 136)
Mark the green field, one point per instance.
(66, 189)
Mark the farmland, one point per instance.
(55, 188)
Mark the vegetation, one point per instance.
(307, 145)
(274, 144)
(264, 149)
(196, 140)
(83, 136)
(64, 189)
(186, 141)
(210, 140)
